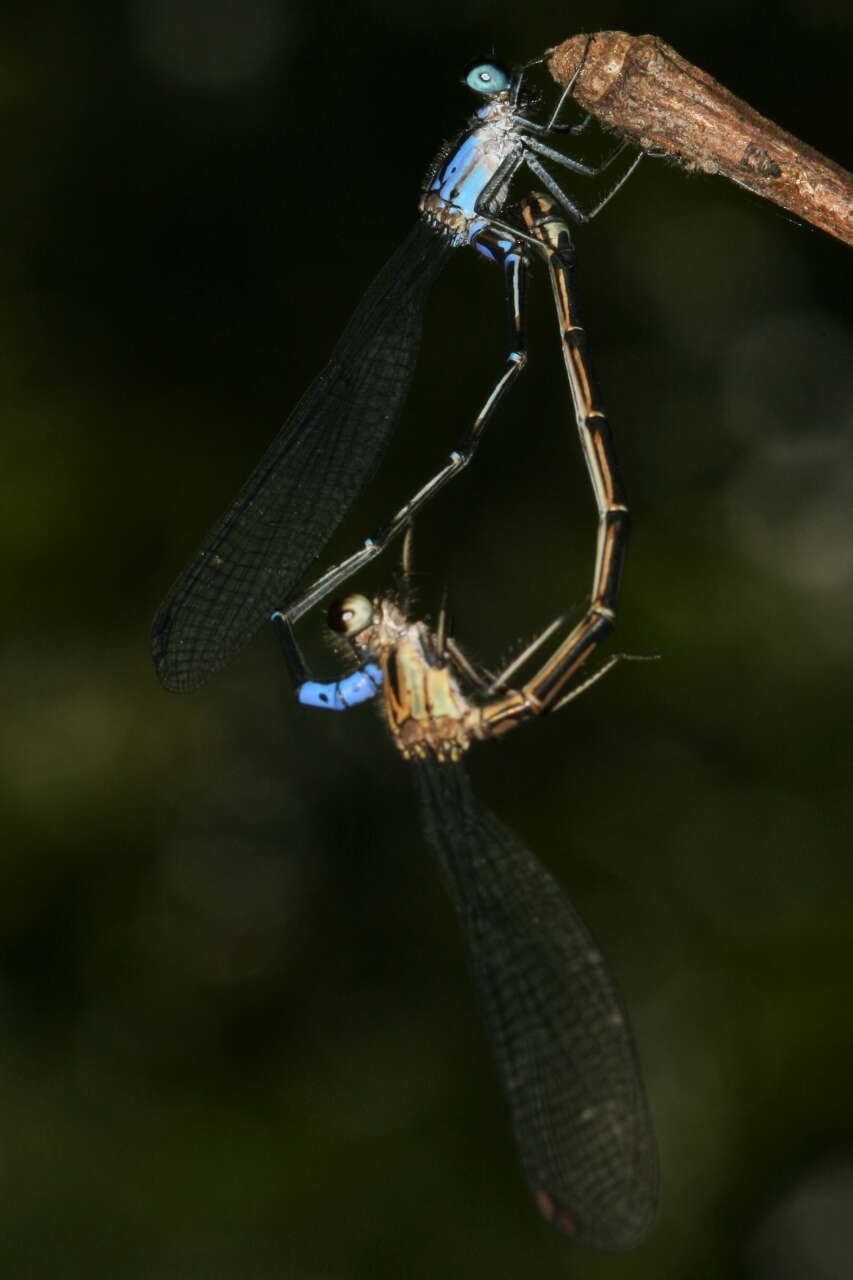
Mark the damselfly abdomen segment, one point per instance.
(253, 558)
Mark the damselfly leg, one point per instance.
(515, 270)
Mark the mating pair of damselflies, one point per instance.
(253, 559)
(559, 1034)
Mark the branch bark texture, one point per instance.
(642, 89)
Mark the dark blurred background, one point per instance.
(237, 1039)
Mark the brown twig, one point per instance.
(645, 91)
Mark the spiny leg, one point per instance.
(617, 186)
(407, 554)
(544, 130)
(515, 271)
(406, 570)
(476, 674)
(565, 201)
(552, 126)
(600, 673)
(501, 681)
(488, 204)
(567, 162)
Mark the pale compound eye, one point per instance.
(350, 615)
(488, 77)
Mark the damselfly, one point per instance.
(254, 557)
(558, 1030)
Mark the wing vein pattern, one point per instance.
(254, 556)
(558, 1030)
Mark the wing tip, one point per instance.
(615, 1236)
(174, 675)
(173, 670)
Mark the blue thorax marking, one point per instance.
(461, 179)
(455, 188)
(338, 695)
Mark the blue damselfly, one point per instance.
(254, 557)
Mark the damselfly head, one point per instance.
(350, 614)
(488, 78)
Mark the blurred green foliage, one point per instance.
(236, 1033)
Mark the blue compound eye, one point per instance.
(487, 77)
